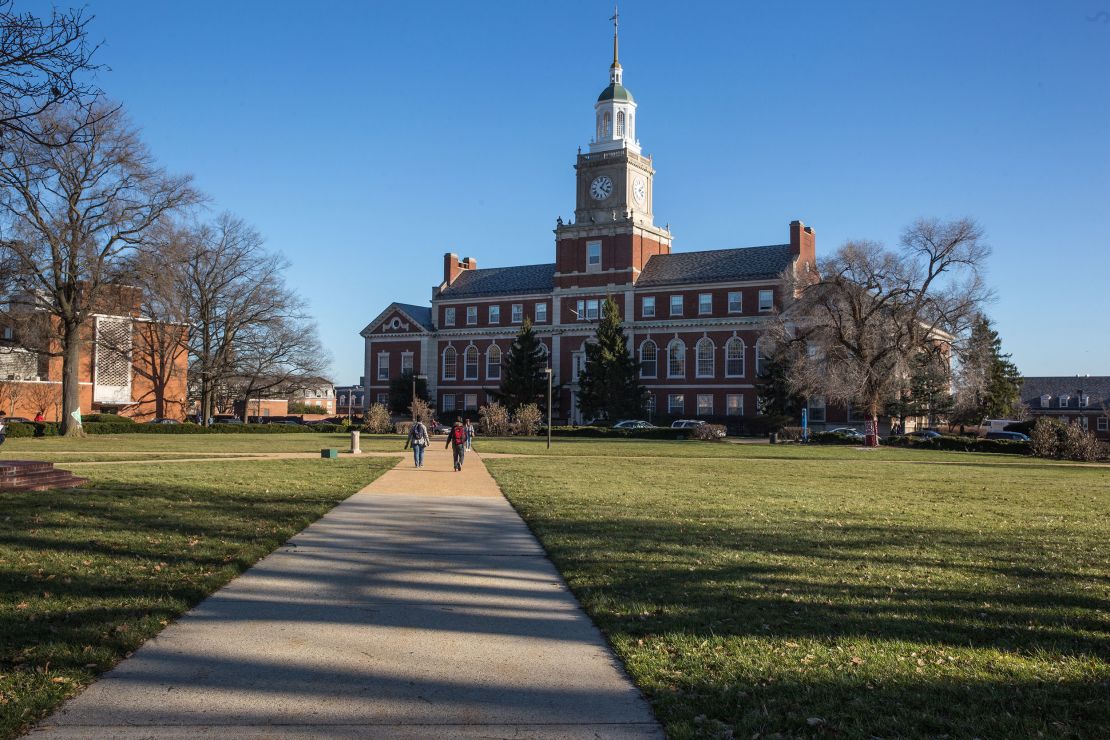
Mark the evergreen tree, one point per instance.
(609, 386)
(523, 378)
(928, 394)
(400, 392)
(774, 398)
(990, 384)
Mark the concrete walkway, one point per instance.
(422, 606)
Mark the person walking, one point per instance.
(469, 435)
(456, 440)
(418, 440)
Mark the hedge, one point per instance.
(964, 444)
(50, 429)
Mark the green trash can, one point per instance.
(330, 453)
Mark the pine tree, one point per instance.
(400, 392)
(990, 384)
(609, 386)
(524, 379)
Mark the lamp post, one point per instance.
(412, 408)
(549, 374)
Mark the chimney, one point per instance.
(803, 244)
(452, 267)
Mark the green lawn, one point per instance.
(198, 443)
(847, 594)
(88, 575)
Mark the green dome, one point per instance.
(615, 92)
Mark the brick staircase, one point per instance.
(29, 475)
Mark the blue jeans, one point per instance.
(418, 455)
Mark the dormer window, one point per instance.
(1084, 401)
(1045, 401)
(1064, 401)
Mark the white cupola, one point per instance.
(615, 111)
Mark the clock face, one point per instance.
(639, 190)
(601, 188)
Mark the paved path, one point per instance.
(420, 607)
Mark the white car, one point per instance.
(686, 423)
(633, 424)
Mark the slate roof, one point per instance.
(716, 266)
(1095, 386)
(502, 281)
(420, 314)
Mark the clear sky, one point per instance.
(364, 139)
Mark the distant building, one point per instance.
(313, 392)
(1073, 399)
(349, 399)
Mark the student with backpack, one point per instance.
(456, 440)
(418, 439)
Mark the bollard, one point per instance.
(354, 443)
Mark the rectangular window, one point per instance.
(1083, 422)
(448, 403)
(406, 362)
(495, 314)
(1064, 402)
(383, 399)
(676, 404)
(705, 404)
(449, 316)
(647, 307)
(736, 302)
(1046, 401)
(591, 309)
(1103, 423)
(1084, 401)
(471, 315)
(705, 303)
(676, 305)
(817, 409)
(8, 333)
(766, 300)
(541, 313)
(735, 404)
(470, 401)
(578, 364)
(581, 310)
(383, 366)
(518, 313)
(593, 255)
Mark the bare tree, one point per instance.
(10, 393)
(854, 330)
(71, 209)
(248, 333)
(44, 64)
(41, 396)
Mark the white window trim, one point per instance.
(516, 313)
(697, 404)
(1064, 402)
(467, 405)
(701, 309)
(644, 304)
(592, 266)
(383, 366)
(541, 313)
(444, 405)
(743, 358)
(1103, 424)
(681, 305)
(490, 352)
(494, 314)
(771, 305)
(655, 363)
(739, 406)
(671, 407)
(681, 345)
(449, 316)
(471, 315)
(466, 363)
(740, 307)
(702, 343)
(453, 365)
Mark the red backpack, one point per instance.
(459, 435)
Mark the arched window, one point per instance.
(649, 360)
(734, 358)
(620, 124)
(599, 127)
(450, 366)
(703, 353)
(470, 363)
(493, 362)
(606, 125)
(761, 358)
(545, 355)
(676, 359)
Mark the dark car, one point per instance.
(287, 422)
(633, 424)
(226, 420)
(847, 433)
(15, 420)
(924, 434)
(1011, 436)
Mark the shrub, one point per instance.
(16, 430)
(1054, 439)
(402, 428)
(527, 419)
(827, 438)
(791, 434)
(378, 420)
(106, 418)
(962, 444)
(494, 420)
(421, 411)
(708, 432)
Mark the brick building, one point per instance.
(693, 318)
(1073, 399)
(127, 363)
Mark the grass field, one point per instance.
(86, 576)
(834, 592)
(196, 443)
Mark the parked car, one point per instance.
(226, 420)
(1012, 436)
(287, 422)
(848, 433)
(924, 434)
(633, 424)
(163, 421)
(16, 420)
(440, 428)
(686, 423)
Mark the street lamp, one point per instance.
(412, 408)
(547, 370)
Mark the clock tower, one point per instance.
(613, 232)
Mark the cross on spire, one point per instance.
(616, 21)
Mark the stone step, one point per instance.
(32, 475)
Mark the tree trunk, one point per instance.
(873, 441)
(71, 388)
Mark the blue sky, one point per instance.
(364, 140)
